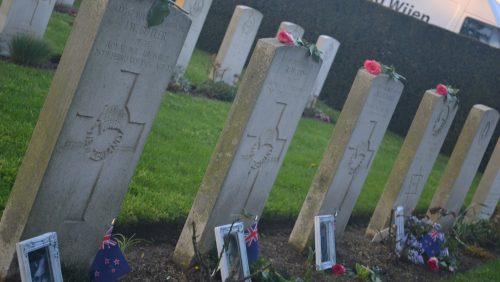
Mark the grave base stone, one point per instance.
(92, 128)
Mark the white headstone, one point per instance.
(92, 129)
(463, 164)
(236, 45)
(415, 159)
(328, 47)
(253, 143)
(25, 16)
(294, 29)
(487, 194)
(67, 3)
(198, 10)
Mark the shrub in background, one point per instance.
(29, 51)
(217, 90)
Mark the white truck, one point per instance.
(479, 19)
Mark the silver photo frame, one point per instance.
(324, 241)
(234, 260)
(38, 259)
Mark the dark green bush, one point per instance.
(217, 90)
(29, 51)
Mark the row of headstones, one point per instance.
(101, 105)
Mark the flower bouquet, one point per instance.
(425, 243)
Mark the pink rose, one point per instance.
(285, 37)
(433, 264)
(441, 89)
(372, 67)
(338, 269)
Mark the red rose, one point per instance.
(433, 264)
(285, 37)
(338, 269)
(372, 67)
(441, 89)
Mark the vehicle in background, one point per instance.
(472, 18)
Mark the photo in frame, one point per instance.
(38, 259)
(234, 260)
(324, 241)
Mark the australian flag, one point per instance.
(109, 263)
(252, 242)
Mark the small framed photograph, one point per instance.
(39, 259)
(234, 260)
(324, 241)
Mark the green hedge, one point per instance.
(424, 54)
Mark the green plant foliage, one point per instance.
(29, 51)
(217, 90)
(158, 12)
(481, 233)
(126, 243)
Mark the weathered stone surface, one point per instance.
(487, 194)
(92, 128)
(253, 143)
(236, 45)
(415, 160)
(328, 47)
(463, 163)
(352, 148)
(294, 29)
(25, 16)
(198, 10)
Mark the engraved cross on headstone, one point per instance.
(413, 187)
(267, 147)
(111, 130)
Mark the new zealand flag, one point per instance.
(109, 263)
(252, 242)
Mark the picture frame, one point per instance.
(39, 260)
(324, 241)
(235, 254)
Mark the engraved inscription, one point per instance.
(249, 24)
(106, 134)
(414, 186)
(268, 147)
(196, 8)
(441, 120)
(485, 132)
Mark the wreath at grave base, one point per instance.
(425, 243)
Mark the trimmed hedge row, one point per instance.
(424, 54)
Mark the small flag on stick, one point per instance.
(109, 263)
(252, 242)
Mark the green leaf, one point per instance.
(362, 271)
(158, 12)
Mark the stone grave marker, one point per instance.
(253, 143)
(328, 47)
(464, 163)
(415, 159)
(294, 29)
(25, 17)
(92, 128)
(236, 45)
(487, 194)
(198, 10)
(67, 3)
(350, 153)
